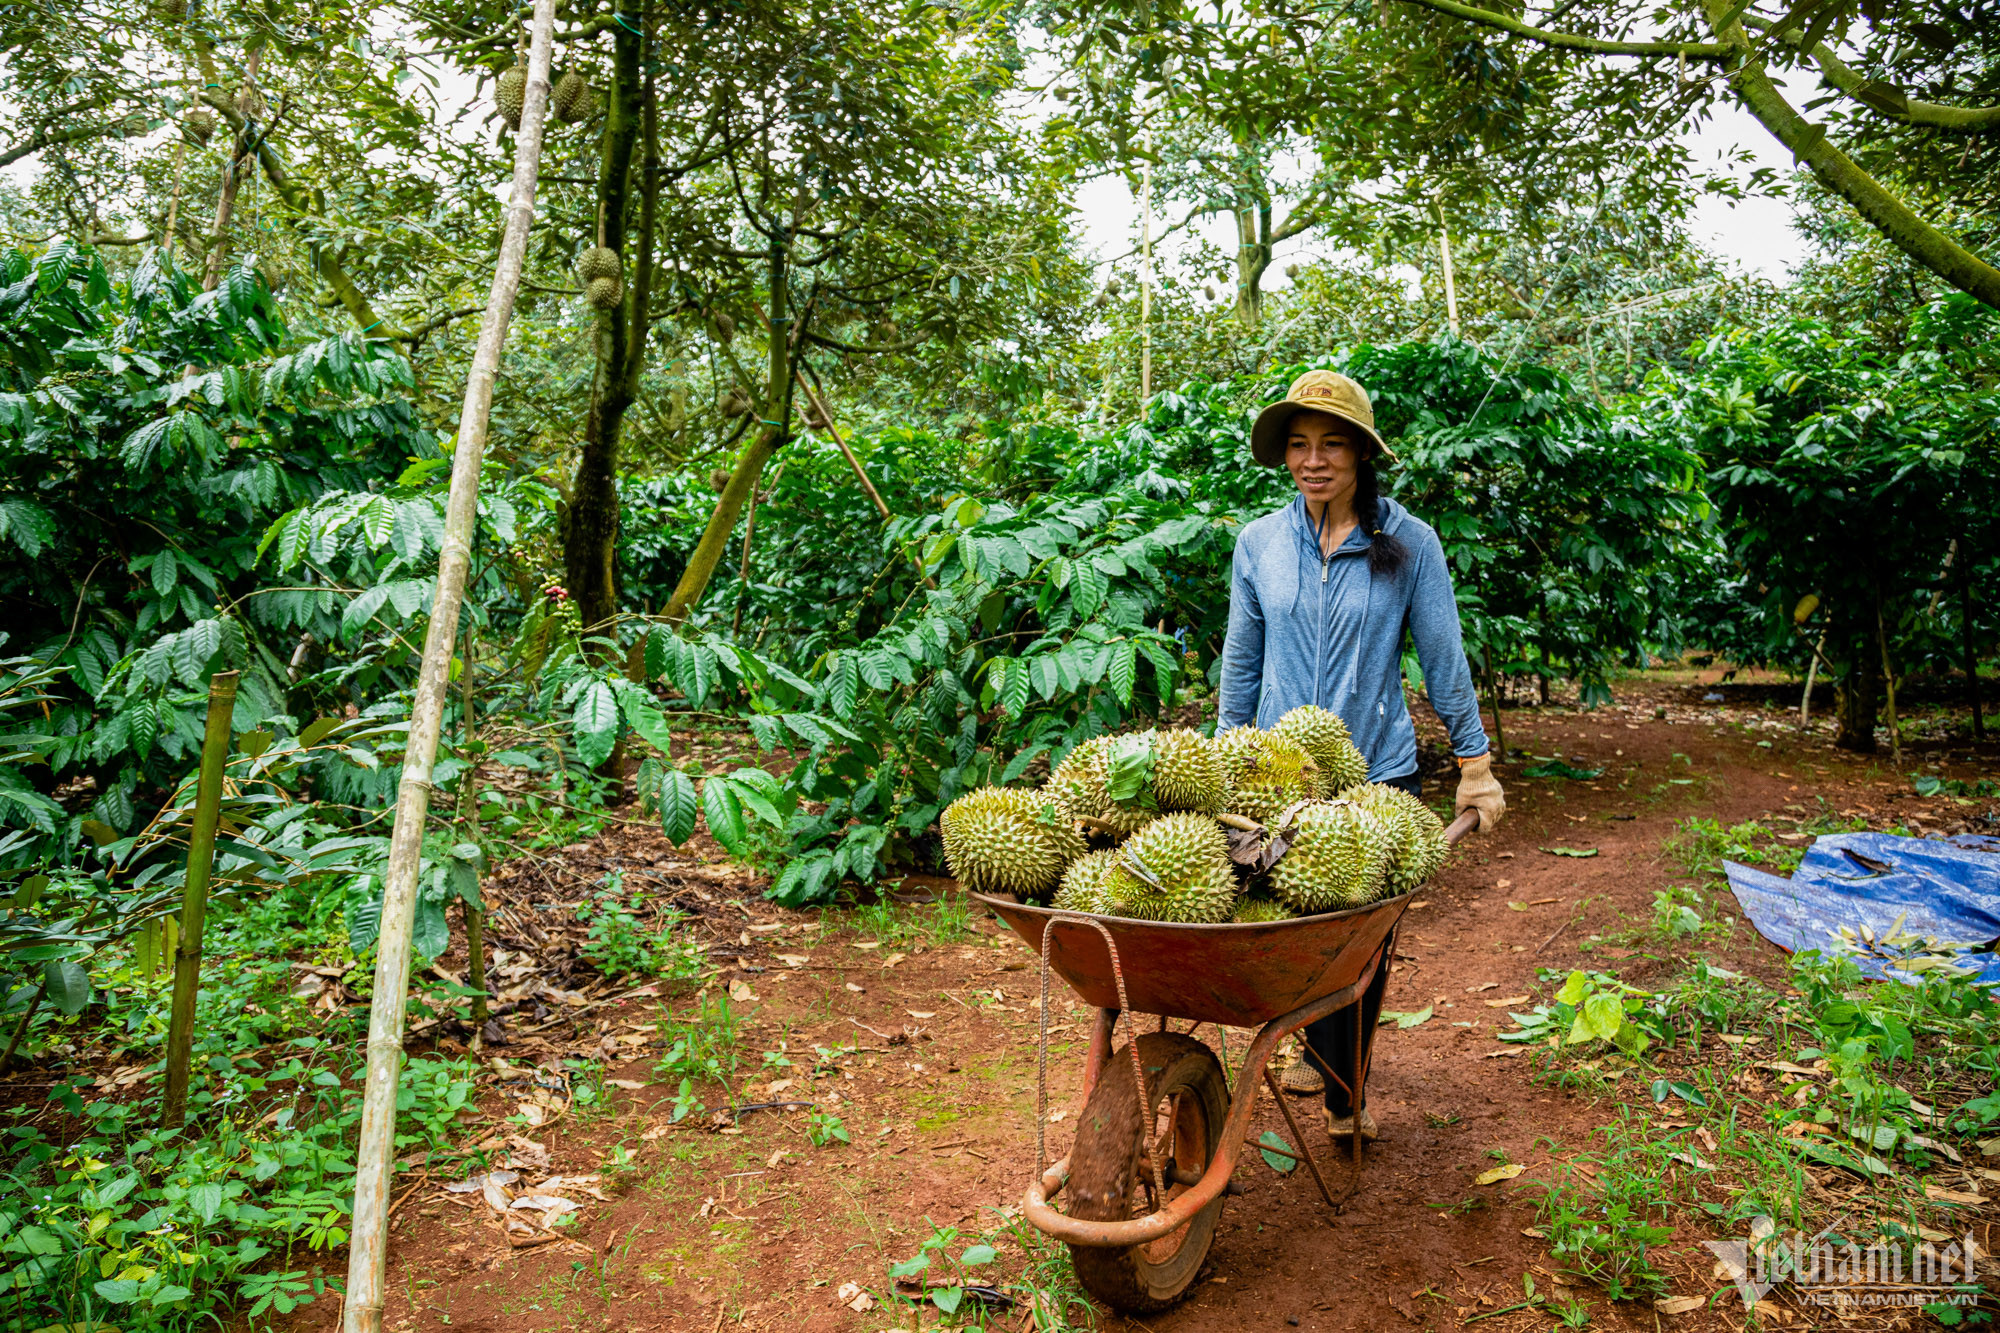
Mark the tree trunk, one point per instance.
(750, 463)
(1253, 255)
(1970, 644)
(1857, 701)
(590, 525)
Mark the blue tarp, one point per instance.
(1947, 890)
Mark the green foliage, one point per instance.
(623, 944)
(1818, 442)
(148, 433)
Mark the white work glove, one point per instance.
(1479, 790)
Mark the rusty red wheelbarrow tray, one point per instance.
(1280, 974)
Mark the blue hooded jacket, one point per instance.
(1307, 630)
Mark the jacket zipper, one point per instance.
(1319, 657)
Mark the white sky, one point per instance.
(1755, 233)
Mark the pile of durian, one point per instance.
(1168, 825)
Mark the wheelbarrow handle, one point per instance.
(1467, 821)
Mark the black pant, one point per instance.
(1332, 1038)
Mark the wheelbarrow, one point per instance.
(1161, 1130)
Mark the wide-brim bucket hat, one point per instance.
(1315, 391)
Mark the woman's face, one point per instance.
(1322, 452)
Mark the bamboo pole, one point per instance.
(468, 812)
(194, 894)
(1146, 281)
(368, 1253)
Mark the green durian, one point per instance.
(510, 94)
(1082, 886)
(1417, 847)
(1326, 739)
(1078, 785)
(1266, 773)
(1188, 772)
(1174, 869)
(599, 261)
(604, 293)
(1262, 909)
(1337, 857)
(571, 98)
(1008, 839)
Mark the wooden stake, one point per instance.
(1450, 287)
(194, 895)
(1889, 682)
(1146, 280)
(468, 813)
(1812, 671)
(368, 1253)
(825, 414)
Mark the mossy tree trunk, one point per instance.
(590, 523)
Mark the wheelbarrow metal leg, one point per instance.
(1305, 1153)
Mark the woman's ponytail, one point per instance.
(1385, 553)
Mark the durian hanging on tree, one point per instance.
(200, 126)
(571, 99)
(510, 94)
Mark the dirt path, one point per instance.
(754, 1227)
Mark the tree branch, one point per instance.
(1572, 41)
(834, 345)
(1888, 99)
(1884, 211)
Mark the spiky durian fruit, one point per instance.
(1417, 845)
(510, 94)
(1338, 855)
(1188, 772)
(598, 261)
(604, 293)
(200, 126)
(1262, 909)
(1174, 869)
(1078, 784)
(1009, 839)
(1266, 772)
(1325, 737)
(571, 98)
(1082, 887)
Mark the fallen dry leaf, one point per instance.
(794, 959)
(1517, 907)
(1939, 1194)
(921, 1013)
(534, 1113)
(1502, 1004)
(854, 1298)
(1498, 1174)
(1679, 1304)
(1499, 1055)
(892, 960)
(740, 990)
(548, 1205)
(1504, 884)
(629, 1084)
(1484, 985)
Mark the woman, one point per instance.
(1321, 593)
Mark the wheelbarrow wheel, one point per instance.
(1109, 1180)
